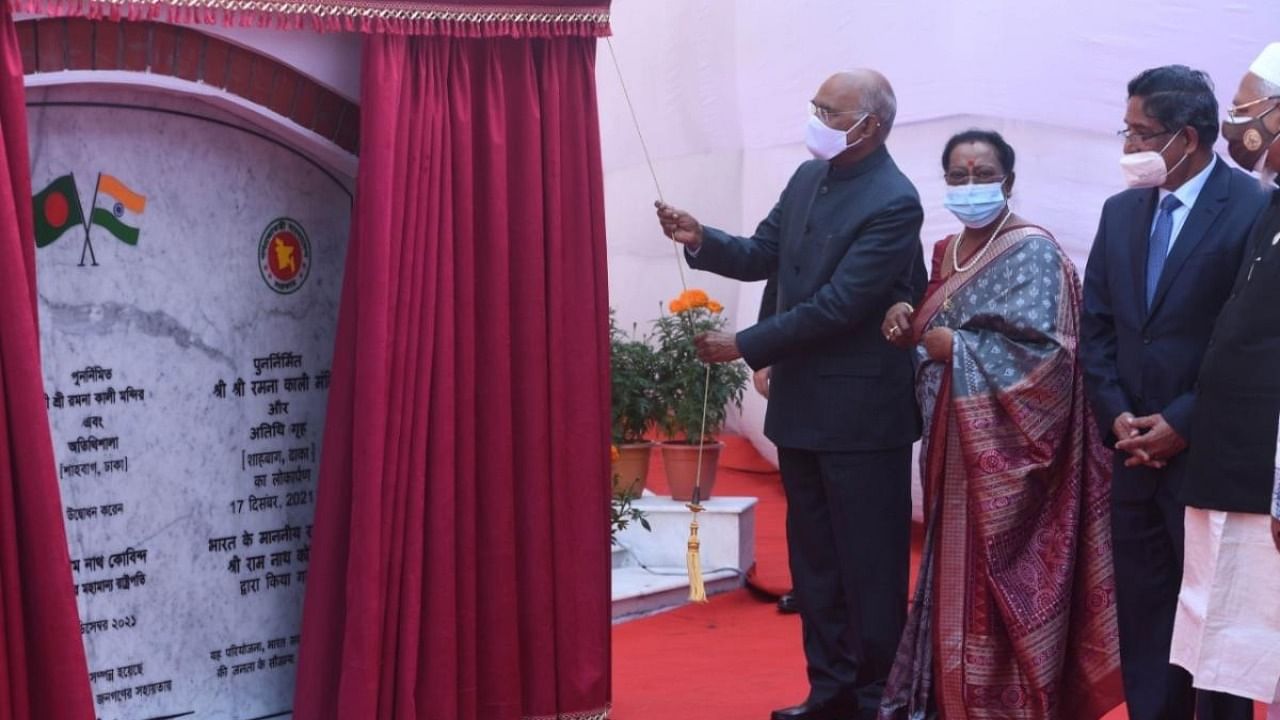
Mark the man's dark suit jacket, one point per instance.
(1146, 361)
(836, 384)
(1233, 430)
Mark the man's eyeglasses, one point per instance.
(1235, 116)
(1130, 134)
(824, 114)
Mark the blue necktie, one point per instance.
(1158, 248)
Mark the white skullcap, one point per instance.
(1267, 66)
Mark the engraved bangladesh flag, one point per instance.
(57, 210)
(117, 209)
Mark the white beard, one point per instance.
(1266, 176)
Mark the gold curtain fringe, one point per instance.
(359, 15)
(602, 714)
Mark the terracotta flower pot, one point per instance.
(632, 467)
(681, 463)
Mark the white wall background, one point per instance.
(333, 59)
(720, 88)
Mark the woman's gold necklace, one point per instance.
(955, 253)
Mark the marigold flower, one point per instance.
(692, 299)
(614, 454)
(695, 298)
(714, 306)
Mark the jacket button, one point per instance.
(822, 190)
(1146, 340)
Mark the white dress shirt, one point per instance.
(1275, 489)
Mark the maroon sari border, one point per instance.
(1001, 245)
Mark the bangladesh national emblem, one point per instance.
(284, 255)
(1252, 140)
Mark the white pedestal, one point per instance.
(650, 572)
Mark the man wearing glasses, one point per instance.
(1161, 267)
(1227, 632)
(842, 411)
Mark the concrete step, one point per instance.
(649, 573)
(638, 592)
(622, 557)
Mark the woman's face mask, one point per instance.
(977, 205)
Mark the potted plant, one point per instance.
(622, 514)
(635, 405)
(685, 386)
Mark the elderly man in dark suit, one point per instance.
(1227, 632)
(841, 407)
(1160, 269)
(768, 306)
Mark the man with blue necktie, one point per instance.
(1161, 268)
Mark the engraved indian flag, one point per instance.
(117, 209)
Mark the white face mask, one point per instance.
(1146, 169)
(826, 142)
(976, 205)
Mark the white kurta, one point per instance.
(1227, 629)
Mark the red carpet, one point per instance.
(735, 658)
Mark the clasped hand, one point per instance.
(938, 344)
(1150, 440)
(896, 329)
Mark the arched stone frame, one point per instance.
(184, 60)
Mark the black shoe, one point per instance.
(787, 604)
(834, 709)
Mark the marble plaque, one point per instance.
(189, 274)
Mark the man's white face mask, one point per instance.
(1147, 169)
(827, 142)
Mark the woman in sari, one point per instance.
(1013, 616)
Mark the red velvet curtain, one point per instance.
(42, 667)
(460, 565)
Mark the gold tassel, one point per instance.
(697, 590)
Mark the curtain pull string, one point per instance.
(644, 147)
(697, 588)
